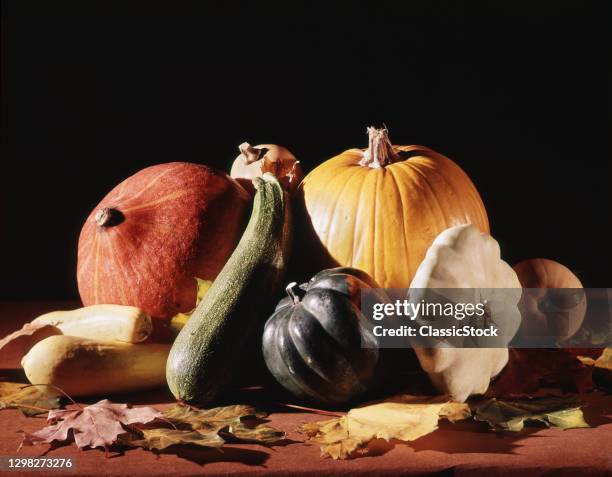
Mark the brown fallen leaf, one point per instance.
(528, 369)
(163, 437)
(97, 425)
(405, 418)
(183, 425)
(30, 400)
(15, 346)
(553, 411)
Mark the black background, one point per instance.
(518, 95)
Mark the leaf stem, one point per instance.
(57, 388)
(313, 410)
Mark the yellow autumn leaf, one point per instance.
(178, 321)
(605, 359)
(404, 417)
(203, 286)
(602, 369)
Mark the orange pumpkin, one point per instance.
(379, 209)
(550, 276)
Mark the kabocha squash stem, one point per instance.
(108, 217)
(380, 150)
(209, 347)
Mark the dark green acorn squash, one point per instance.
(318, 346)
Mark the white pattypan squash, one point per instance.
(463, 257)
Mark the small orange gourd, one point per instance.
(379, 209)
(550, 278)
(255, 161)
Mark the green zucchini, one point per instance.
(207, 351)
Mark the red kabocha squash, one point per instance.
(379, 209)
(157, 230)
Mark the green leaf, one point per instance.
(561, 412)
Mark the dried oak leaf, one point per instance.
(405, 418)
(15, 346)
(30, 400)
(528, 369)
(205, 427)
(553, 411)
(97, 425)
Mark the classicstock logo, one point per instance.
(488, 318)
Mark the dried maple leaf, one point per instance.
(97, 425)
(405, 418)
(205, 427)
(554, 411)
(15, 346)
(30, 400)
(528, 369)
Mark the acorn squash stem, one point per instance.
(291, 293)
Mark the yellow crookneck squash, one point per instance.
(379, 209)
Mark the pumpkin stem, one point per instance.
(291, 293)
(250, 153)
(108, 217)
(380, 151)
